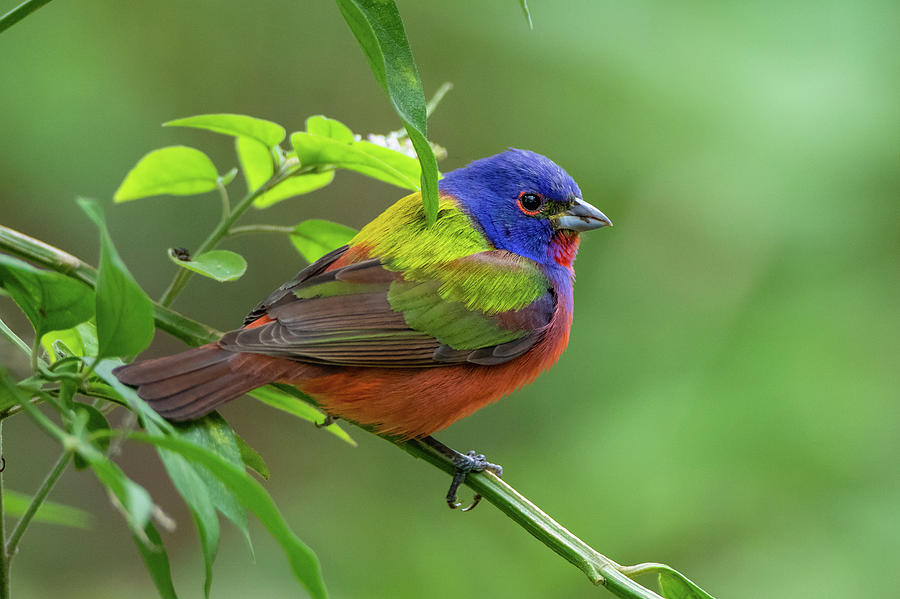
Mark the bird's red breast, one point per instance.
(414, 402)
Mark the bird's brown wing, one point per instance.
(362, 314)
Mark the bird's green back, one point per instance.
(454, 252)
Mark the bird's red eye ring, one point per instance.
(530, 203)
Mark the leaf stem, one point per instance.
(234, 231)
(35, 352)
(17, 341)
(222, 228)
(437, 97)
(16, 536)
(223, 194)
(20, 12)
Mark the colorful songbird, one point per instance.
(410, 326)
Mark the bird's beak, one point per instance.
(580, 217)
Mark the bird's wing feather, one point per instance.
(310, 271)
(485, 308)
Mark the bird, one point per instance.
(412, 325)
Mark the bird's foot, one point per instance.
(464, 463)
(470, 462)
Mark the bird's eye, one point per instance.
(530, 203)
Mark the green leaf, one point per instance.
(256, 162)
(303, 560)
(157, 561)
(238, 125)
(213, 434)
(50, 300)
(15, 504)
(202, 492)
(67, 341)
(675, 585)
(8, 398)
(196, 495)
(251, 457)
(363, 157)
(80, 341)
(124, 312)
(175, 170)
(379, 31)
(289, 399)
(131, 499)
(294, 186)
(184, 476)
(324, 126)
(94, 421)
(315, 237)
(527, 13)
(221, 265)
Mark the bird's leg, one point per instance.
(464, 463)
(329, 420)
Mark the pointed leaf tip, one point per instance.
(379, 30)
(124, 312)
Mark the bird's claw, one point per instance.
(465, 463)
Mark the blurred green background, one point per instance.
(729, 400)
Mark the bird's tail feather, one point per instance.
(191, 384)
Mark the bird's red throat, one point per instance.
(564, 246)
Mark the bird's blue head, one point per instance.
(524, 203)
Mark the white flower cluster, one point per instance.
(399, 142)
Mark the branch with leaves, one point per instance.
(87, 320)
(114, 289)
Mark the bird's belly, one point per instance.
(415, 402)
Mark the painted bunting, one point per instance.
(410, 326)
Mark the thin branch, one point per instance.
(437, 97)
(598, 568)
(16, 536)
(16, 340)
(18, 244)
(243, 230)
(223, 195)
(20, 12)
(222, 228)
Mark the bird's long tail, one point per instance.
(191, 384)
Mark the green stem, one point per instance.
(35, 352)
(234, 231)
(17, 341)
(16, 536)
(18, 244)
(4, 562)
(20, 12)
(226, 201)
(599, 569)
(437, 97)
(221, 230)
